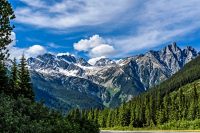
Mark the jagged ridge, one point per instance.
(116, 80)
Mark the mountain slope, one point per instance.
(173, 104)
(113, 81)
(68, 92)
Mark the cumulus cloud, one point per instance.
(35, 50)
(95, 46)
(102, 49)
(87, 44)
(16, 52)
(92, 61)
(32, 51)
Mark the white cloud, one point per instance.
(32, 51)
(95, 46)
(35, 50)
(159, 22)
(16, 52)
(67, 54)
(92, 61)
(87, 44)
(101, 50)
(150, 23)
(13, 37)
(67, 13)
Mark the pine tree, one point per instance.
(25, 81)
(109, 119)
(14, 81)
(193, 110)
(167, 107)
(159, 111)
(6, 14)
(181, 104)
(133, 117)
(4, 86)
(124, 116)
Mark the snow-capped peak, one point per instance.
(65, 54)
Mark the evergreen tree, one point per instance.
(159, 112)
(124, 116)
(133, 117)
(109, 119)
(167, 107)
(181, 104)
(193, 110)
(4, 86)
(14, 81)
(25, 81)
(6, 14)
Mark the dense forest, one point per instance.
(18, 110)
(174, 104)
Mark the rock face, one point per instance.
(108, 82)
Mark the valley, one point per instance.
(99, 66)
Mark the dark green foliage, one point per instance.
(14, 79)
(176, 99)
(22, 115)
(18, 111)
(6, 14)
(85, 125)
(4, 86)
(25, 81)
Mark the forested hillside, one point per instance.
(174, 104)
(19, 113)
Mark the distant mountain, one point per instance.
(73, 82)
(173, 104)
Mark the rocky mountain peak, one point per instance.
(104, 62)
(125, 77)
(82, 62)
(46, 56)
(69, 58)
(171, 48)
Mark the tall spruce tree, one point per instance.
(193, 109)
(4, 86)
(6, 14)
(14, 80)
(25, 81)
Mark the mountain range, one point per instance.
(65, 81)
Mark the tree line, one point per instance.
(174, 100)
(16, 82)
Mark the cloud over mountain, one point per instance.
(95, 46)
(130, 25)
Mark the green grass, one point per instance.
(175, 125)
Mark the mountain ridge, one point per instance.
(122, 79)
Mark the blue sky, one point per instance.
(103, 28)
